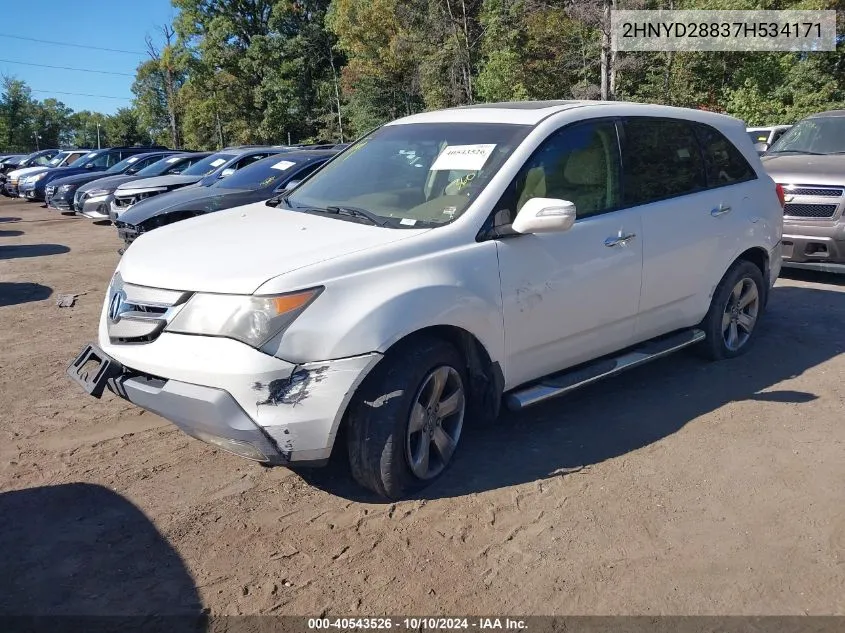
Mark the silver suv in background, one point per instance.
(809, 163)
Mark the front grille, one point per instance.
(123, 203)
(812, 190)
(138, 314)
(809, 210)
(127, 232)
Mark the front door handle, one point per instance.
(619, 240)
(720, 210)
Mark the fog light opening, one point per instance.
(237, 447)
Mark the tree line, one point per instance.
(273, 71)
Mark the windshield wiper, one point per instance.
(797, 151)
(352, 212)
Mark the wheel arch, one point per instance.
(486, 380)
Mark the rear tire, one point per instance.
(405, 422)
(735, 311)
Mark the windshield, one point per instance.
(57, 159)
(263, 173)
(160, 166)
(207, 165)
(122, 166)
(822, 135)
(418, 172)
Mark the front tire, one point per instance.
(405, 422)
(738, 303)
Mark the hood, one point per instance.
(26, 171)
(108, 182)
(200, 199)
(176, 180)
(65, 173)
(238, 250)
(75, 177)
(804, 169)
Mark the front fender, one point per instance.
(370, 311)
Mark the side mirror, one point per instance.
(761, 147)
(226, 172)
(545, 215)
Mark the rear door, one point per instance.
(689, 217)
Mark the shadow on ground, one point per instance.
(5, 220)
(22, 292)
(802, 329)
(11, 233)
(813, 276)
(83, 550)
(32, 250)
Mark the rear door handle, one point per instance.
(619, 240)
(720, 210)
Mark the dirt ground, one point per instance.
(679, 488)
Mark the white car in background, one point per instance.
(764, 137)
(444, 264)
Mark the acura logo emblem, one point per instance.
(117, 305)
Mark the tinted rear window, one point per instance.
(724, 163)
(661, 159)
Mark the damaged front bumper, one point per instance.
(230, 395)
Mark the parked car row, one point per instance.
(138, 192)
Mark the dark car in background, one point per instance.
(210, 169)
(93, 200)
(28, 178)
(114, 160)
(35, 159)
(7, 164)
(257, 182)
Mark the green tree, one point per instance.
(123, 128)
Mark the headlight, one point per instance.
(66, 187)
(97, 192)
(253, 320)
(35, 178)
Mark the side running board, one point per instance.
(563, 382)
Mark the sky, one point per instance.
(113, 24)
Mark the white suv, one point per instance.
(445, 263)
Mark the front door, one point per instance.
(570, 297)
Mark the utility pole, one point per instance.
(37, 137)
(98, 135)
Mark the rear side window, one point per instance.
(660, 159)
(724, 163)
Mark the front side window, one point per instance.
(409, 174)
(102, 160)
(661, 159)
(724, 163)
(579, 164)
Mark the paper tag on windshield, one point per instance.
(131, 160)
(283, 164)
(408, 221)
(173, 160)
(218, 162)
(463, 157)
